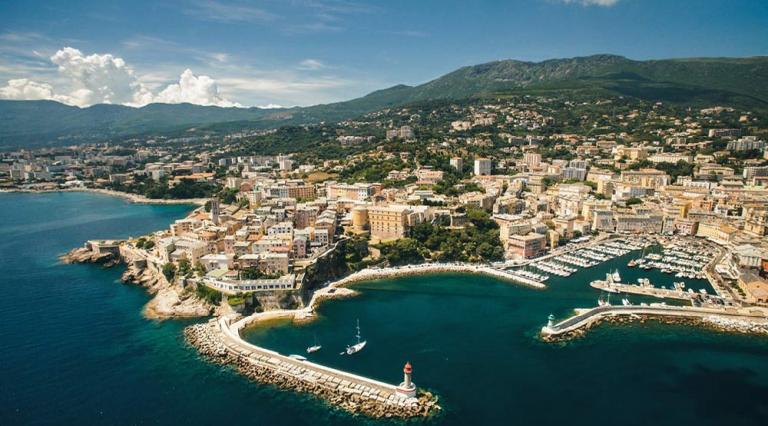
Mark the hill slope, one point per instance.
(693, 81)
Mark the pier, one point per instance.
(220, 339)
(661, 293)
(585, 318)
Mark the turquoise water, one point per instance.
(76, 350)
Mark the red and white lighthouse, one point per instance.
(407, 388)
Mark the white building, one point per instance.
(482, 166)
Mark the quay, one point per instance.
(661, 293)
(586, 318)
(220, 339)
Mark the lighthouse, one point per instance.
(550, 320)
(407, 388)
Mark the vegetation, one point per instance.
(162, 190)
(208, 294)
(256, 274)
(169, 271)
(236, 300)
(696, 81)
(478, 242)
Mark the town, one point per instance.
(501, 182)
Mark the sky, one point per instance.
(305, 52)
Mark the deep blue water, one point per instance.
(76, 350)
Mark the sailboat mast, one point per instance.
(358, 331)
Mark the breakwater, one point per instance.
(732, 319)
(219, 340)
(433, 268)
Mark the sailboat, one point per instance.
(357, 347)
(315, 347)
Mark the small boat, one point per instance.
(625, 302)
(604, 302)
(314, 348)
(632, 263)
(297, 357)
(357, 347)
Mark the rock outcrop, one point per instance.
(85, 255)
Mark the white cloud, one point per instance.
(311, 64)
(92, 79)
(25, 89)
(200, 90)
(99, 78)
(210, 10)
(603, 3)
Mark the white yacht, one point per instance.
(314, 348)
(357, 347)
(616, 277)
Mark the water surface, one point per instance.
(76, 350)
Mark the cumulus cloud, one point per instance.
(25, 89)
(99, 78)
(200, 90)
(108, 79)
(603, 3)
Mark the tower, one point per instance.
(407, 388)
(215, 210)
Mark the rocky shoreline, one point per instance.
(206, 339)
(169, 300)
(713, 323)
(84, 255)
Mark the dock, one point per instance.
(661, 293)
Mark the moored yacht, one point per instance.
(357, 347)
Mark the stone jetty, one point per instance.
(355, 394)
(742, 320)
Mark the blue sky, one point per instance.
(303, 52)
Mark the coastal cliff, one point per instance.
(170, 299)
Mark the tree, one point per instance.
(169, 271)
(185, 268)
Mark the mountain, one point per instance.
(692, 81)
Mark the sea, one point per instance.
(76, 349)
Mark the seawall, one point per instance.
(220, 341)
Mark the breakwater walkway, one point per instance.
(751, 318)
(220, 340)
(431, 268)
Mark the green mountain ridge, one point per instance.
(741, 82)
